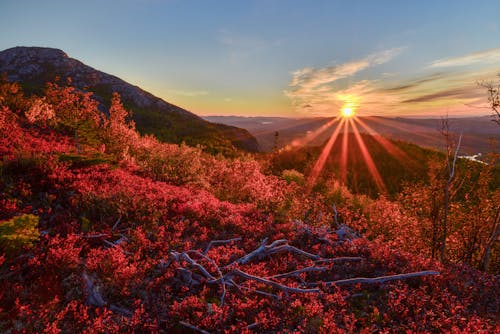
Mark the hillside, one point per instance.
(33, 67)
(405, 163)
(481, 135)
(104, 230)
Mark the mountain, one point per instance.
(32, 67)
(478, 132)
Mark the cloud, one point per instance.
(431, 94)
(485, 56)
(415, 83)
(306, 80)
(462, 92)
(312, 88)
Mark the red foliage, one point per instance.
(104, 261)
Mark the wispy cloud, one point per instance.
(308, 79)
(462, 93)
(485, 56)
(313, 88)
(320, 91)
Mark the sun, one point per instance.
(347, 112)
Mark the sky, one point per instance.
(279, 57)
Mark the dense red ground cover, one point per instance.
(117, 219)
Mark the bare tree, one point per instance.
(485, 261)
(450, 188)
(493, 98)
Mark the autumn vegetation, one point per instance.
(105, 230)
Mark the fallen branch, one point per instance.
(275, 247)
(94, 297)
(116, 244)
(116, 224)
(221, 277)
(381, 279)
(340, 259)
(219, 242)
(193, 327)
(254, 325)
(92, 236)
(297, 272)
(185, 257)
(276, 285)
(225, 275)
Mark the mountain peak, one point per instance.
(35, 51)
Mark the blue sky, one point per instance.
(294, 58)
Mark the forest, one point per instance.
(105, 230)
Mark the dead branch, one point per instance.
(219, 242)
(297, 272)
(276, 285)
(93, 236)
(294, 250)
(193, 327)
(259, 292)
(116, 244)
(335, 216)
(278, 246)
(221, 277)
(319, 233)
(381, 279)
(225, 275)
(179, 257)
(345, 233)
(116, 224)
(340, 259)
(94, 297)
(254, 325)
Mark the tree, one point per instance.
(450, 188)
(76, 113)
(119, 133)
(493, 90)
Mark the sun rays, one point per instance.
(348, 123)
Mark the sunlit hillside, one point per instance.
(105, 230)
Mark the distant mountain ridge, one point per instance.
(480, 134)
(32, 67)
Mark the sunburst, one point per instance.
(349, 123)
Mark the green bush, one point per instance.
(291, 175)
(18, 233)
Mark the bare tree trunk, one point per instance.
(485, 261)
(447, 197)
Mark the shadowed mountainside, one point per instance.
(34, 66)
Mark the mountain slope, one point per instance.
(34, 66)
